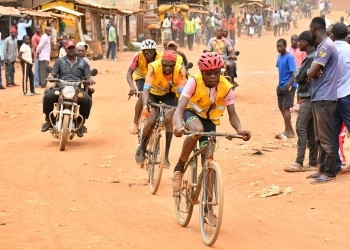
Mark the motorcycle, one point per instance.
(65, 118)
(188, 66)
(224, 70)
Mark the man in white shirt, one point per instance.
(247, 22)
(198, 22)
(44, 52)
(21, 29)
(321, 8)
(166, 28)
(328, 23)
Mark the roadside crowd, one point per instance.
(317, 67)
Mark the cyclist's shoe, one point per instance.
(176, 181)
(140, 156)
(166, 163)
(46, 126)
(210, 218)
(133, 129)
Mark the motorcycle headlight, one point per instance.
(68, 92)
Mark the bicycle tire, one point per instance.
(183, 206)
(209, 236)
(157, 162)
(141, 125)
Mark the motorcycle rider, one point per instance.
(137, 72)
(69, 67)
(181, 57)
(165, 79)
(221, 46)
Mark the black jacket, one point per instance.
(304, 88)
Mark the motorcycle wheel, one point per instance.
(64, 132)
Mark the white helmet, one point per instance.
(148, 44)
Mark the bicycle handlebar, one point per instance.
(160, 105)
(212, 134)
(136, 93)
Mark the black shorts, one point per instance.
(285, 97)
(208, 125)
(139, 84)
(169, 99)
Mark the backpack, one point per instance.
(280, 13)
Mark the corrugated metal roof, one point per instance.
(9, 11)
(35, 13)
(64, 9)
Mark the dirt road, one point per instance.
(93, 196)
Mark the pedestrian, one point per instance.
(181, 26)
(276, 24)
(112, 41)
(324, 75)
(305, 123)
(1, 86)
(166, 28)
(247, 23)
(321, 8)
(259, 23)
(43, 51)
(286, 20)
(342, 111)
(35, 43)
(21, 28)
(281, 26)
(232, 27)
(209, 23)
(286, 87)
(198, 29)
(240, 18)
(190, 30)
(174, 29)
(294, 50)
(25, 56)
(14, 25)
(10, 54)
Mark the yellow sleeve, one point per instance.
(182, 80)
(149, 77)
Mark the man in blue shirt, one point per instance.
(324, 75)
(342, 112)
(286, 87)
(259, 24)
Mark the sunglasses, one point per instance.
(168, 65)
(148, 53)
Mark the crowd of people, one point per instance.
(316, 67)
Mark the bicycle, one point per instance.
(209, 184)
(155, 151)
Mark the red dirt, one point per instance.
(72, 200)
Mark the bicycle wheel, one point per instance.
(157, 162)
(142, 123)
(183, 205)
(212, 203)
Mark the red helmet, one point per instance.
(210, 61)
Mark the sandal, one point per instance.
(323, 179)
(314, 175)
(294, 167)
(281, 136)
(309, 167)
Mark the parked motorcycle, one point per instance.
(65, 118)
(224, 71)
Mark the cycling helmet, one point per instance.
(148, 44)
(210, 61)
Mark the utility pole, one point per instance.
(211, 5)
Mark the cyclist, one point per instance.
(165, 78)
(137, 72)
(201, 105)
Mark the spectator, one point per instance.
(247, 23)
(174, 29)
(35, 43)
(166, 28)
(282, 24)
(112, 41)
(228, 9)
(276, 23)
(305, 124)
(25, 56)
(324, 74)
(14, 25)
(342, 20)
(198, 29)
(181, 26)
(43, 51)
(259, 24)
(10, 54)
(232, 27)
(321, 7)
(1, 87)
(21, 27)
(342, 112)
(286, 87)
(294, 50)
(87, 36)
(209, 23)
(240, 18)
(190, 30)
(328, 23)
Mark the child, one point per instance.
(25, 55)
